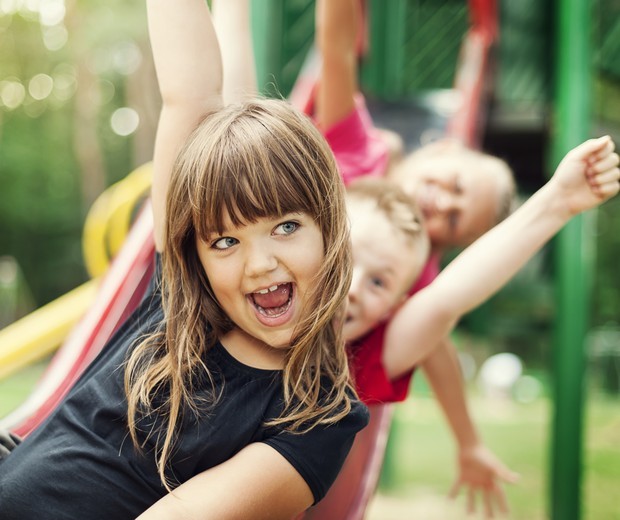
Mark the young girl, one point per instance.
(226, 394)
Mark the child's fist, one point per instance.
(602, 170)
(589, 175)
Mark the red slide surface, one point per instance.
(120, 291)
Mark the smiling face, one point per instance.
(261, 273)
(386, 262)
(256, 203)
(460, 194)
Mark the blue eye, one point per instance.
(224, 243)
(377, 282)
(287, 228)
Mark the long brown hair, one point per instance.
(257, 159)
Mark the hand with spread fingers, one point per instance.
(481, 475)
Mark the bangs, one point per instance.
(256, 167)
(246, 195)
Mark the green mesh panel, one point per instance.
(524, 64)
(414, 45)
(606, 32)
(283, 33)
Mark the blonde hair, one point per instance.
(402, 213)
(257, 159)
(400, 209)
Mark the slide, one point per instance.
(118, 293)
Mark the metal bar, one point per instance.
(573, 263)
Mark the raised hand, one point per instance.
(588, 175)
(481, 473)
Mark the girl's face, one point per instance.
(459, 199)
(262, 273)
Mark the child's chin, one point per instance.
(279, 340)
(353, 333)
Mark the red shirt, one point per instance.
(371, 381)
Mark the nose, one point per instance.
(260, 260)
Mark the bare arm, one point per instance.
(585, 178)
(337, 23)
(256, 483)
(189, 73)
(479, 470)
(234, 32)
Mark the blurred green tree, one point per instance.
(77, 112)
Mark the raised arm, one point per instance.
(337, 23)
(189, 73)
(585, 178)
(234, 32)
(256, 483)
(479, 471)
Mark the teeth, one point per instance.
(270, 289)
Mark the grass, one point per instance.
(421, 462)
(14, 389)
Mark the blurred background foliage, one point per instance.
(77, 111)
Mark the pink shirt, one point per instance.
(357, 146)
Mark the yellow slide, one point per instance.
(42, 331)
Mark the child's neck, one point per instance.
(252, 352)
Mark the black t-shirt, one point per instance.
(81, 462)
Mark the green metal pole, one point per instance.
(573, 263)
(395, 46)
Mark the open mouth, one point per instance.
(274, 301)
